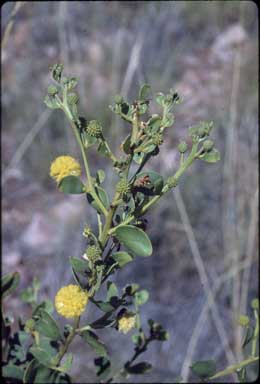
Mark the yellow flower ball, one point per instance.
(64, 166)
(126, 323)
(70, 301)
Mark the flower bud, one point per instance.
(157, 138)
(208, 145)
(118, 99)
(123, 187)
(182, 147)
(87, 231)
(52, 90)
(73, 98)
(94, 128)
(243, 320)
(93, 253)
(255, 304)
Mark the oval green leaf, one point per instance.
(211, 157)
(134, 239)
(122, 258)
(204, 369)
(47, 326)
(72, 185)
(9, 283)
(92, 339)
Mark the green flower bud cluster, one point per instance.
(157, 138)
(93, 253)
(94, 128)
(123, 187)
(73, 98)
(182, 147)
(208, 145)
(172, 182)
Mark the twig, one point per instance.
(8, 28)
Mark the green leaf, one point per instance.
(12, 371)
(204, 369)
(100, 176)
(103, 197)
(130, 289)
(154, 123)
(160, 97)
(92, 339)
(126, 145)
(168, 120)
(49, 346)
(111, 290)
(88, 140)
(104, 367)
(122, 258)
(67, 364)
(134, 239)
(103, 322)
(79, 265)
(51, 102)
(104, 306)
(156, 183)
(41, 355)
(149, 148)
(46, 325)
(102, 149)
(211, 157)
(40, 374)
(138, 157)
(248, 336)
(72, 185)
(144, 92)
(141, 297)
(139, 368)
(9, 283)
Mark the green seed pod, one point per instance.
(243, 320)
(172, 182)
(208, 145)
(157, 138)
(182, 147)
(73, 98)
(94, 128)
(52, 90)
(255, 304)
(123, 187)
(93, 253)
(118, 99)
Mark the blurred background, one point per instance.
(204, 269)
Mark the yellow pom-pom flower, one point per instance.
(126, 323)
(70, 301)
(64, 166)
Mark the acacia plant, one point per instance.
(39, 351)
